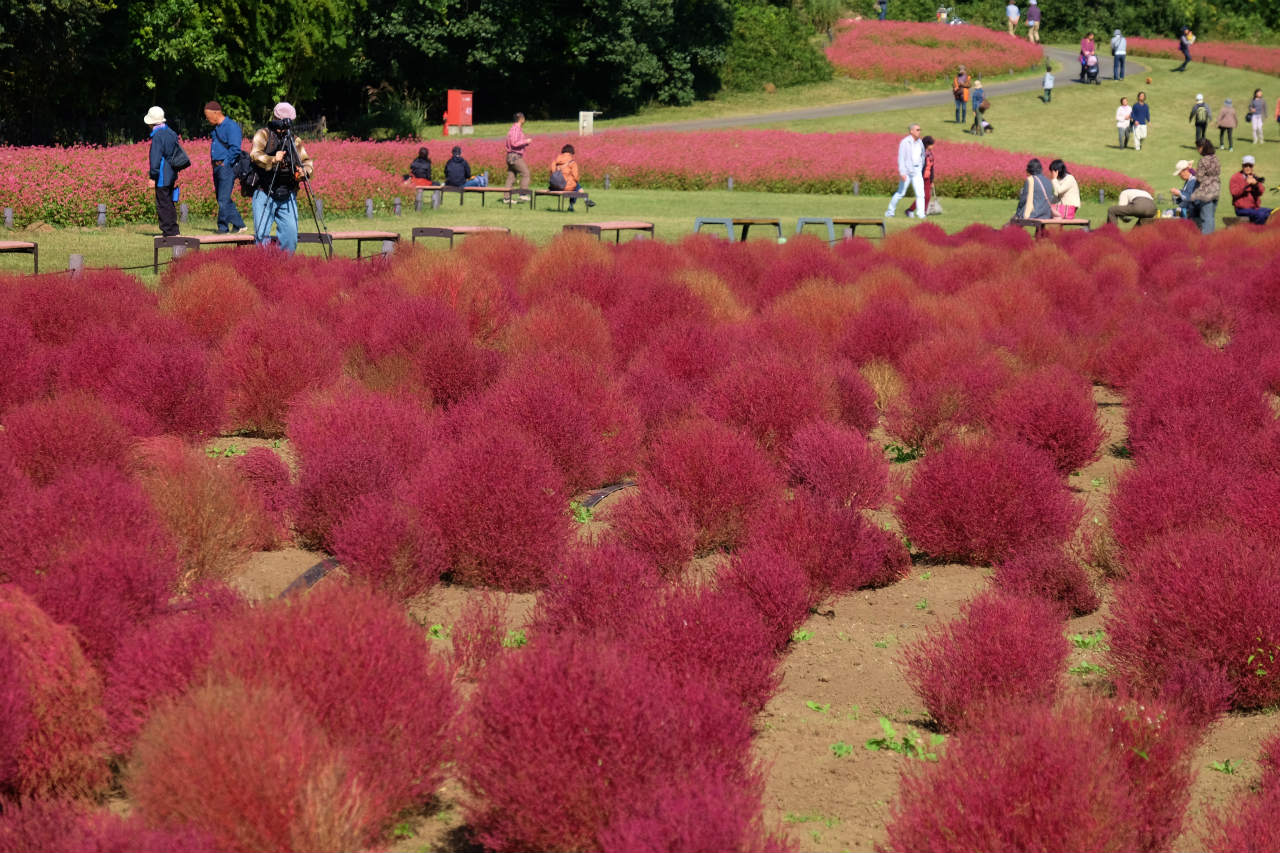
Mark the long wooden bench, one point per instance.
(195, 242)
(831, 222)
(1042, 226)
(558, 195)
(360, 238)
(731, 222)
(448, 232)
(483, 192)
(25, 247)
(598, 228)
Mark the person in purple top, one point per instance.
(1033, 22)
(516, 144)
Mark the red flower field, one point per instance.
(909, 52)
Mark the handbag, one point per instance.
(179, 160)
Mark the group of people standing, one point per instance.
(1227, 120)
(1012, 15)
(967, 90)
(1089, 64)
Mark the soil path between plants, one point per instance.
(1063, 60)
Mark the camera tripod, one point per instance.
(295, 168)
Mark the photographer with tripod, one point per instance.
(283, 166)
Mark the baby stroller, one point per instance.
(1091, 70)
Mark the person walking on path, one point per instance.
(1226, 125)
(1208, 185)
(960, 91)
(1036, 198)
(1119, 47)
(1185, 40)
(164, 162)
(224, 152)
(1134, 203)
(1200, 114)
(516, 144)
(1257, 112)
(1124, 121)
(1141, 118)
(1088, 47)
(1033, 22)
(1048, 83)
(883, 6)
(1182, 196)
(1246, 193)
(1066, 192)
(1011, 13)
(910, 170)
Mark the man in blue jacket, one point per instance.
(163, 175)
(224, 153)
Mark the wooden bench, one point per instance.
(195, 242)
(448, 232)
(463, 192)
(24, 247)
(832, 221)
(729, 223)
(558, 195)
(1229, 221)
(361, 237)
(598, 228)
(1042, 226)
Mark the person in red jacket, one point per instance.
(1246, 191)
(927, 174)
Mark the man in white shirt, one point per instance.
(1134, 203)
(910, 170)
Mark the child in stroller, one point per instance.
(1091, 69)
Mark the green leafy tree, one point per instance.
(771, 45)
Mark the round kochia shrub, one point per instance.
(838, 464)
(571, 735)
(597, 589)
(1002, 650)
(1203, 599)
(657, 524)
(1092, 774)
(70, 826)
(382, 542)
(1050, 409)
(51, 436)
(56, 699)
(982, 501)
(1050, 574)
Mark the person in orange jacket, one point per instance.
(568, 169)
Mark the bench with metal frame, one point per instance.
(360, 237)
(617, 227)
(195, 242)
(730, 222)
(831, 222)
(25, 247)
(1042, 226)
(448, 232)
(558, 195)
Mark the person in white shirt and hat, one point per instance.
(282, 163)
(910, 170)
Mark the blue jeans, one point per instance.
(224, 180)
(283, 213)
(1117, 67)
(961, 110)
(1208, 210)
(1256, 215)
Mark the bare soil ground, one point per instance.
(846, 667)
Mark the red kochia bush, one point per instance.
(723, 478)
(570, 735)
(354, 662)
(1003, 649)
(1249, 827)
(271, 357)
(1050, 574)
(500, 505)
(50, 436)
(478, 634)
(597, 589)
(69, 826)
(838, 464)
(1169, 492)
(58, 696)
(657, 524)
(208, 297)
(1083, 776)
(984, 500)
(382, 542)
(250, 767)
(350, 444)
(770, 395)
(15, 719)
(1050, 409)
(778, 586)
(268, 478)
(1204, 598)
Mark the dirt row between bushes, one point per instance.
(825, 788)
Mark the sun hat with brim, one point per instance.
(154, 116)
(1182, 164)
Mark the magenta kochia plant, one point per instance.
(1051, 409)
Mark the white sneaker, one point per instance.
(888, 214)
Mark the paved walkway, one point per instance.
(1066, 65)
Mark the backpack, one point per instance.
(557, 181)
(1202, 114)
(244, 172)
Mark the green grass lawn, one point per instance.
(1079, 124)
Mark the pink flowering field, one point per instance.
(1232, 54)
(64, 185)
(907, 52)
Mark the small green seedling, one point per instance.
(922, 604)
(899, 454)
(883, 642)
(799, 635)
(911, 744)
(1261, 658)
(1087, 668)
(580, 512)
(1228, 767)
(438, 632)
(828, 822)
(403, 829)
(228, 452)
(840, 749)
(820, 707)
(926, 576)
(1098, 482)
(1092, 640)
(515, 639)
(854, 713)
(1121, 450)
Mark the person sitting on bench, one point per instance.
(564, 175)
(420, 168)
(457, 172)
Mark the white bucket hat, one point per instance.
(154, 116)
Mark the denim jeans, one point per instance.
(1208, 211)
(284, 214)
(1117, 67)
(224, 180)
(961, 110)
(1256, 215)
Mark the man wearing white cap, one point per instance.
(282, 163)
(1200, 114)
(163, 171)
(1246, 193)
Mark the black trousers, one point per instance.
(167, 211)
(1200, 130)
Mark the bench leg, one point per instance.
(35, 260)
